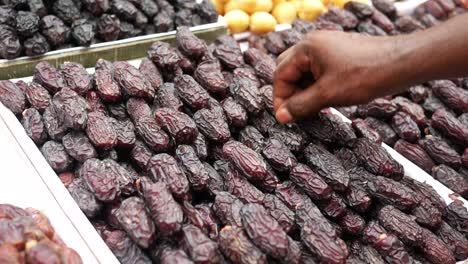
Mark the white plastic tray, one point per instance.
(31, 184)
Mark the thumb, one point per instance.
(301, 104)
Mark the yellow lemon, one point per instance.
(277, 2)
(285, 13)
(219, 6)
(246, 5)
(231, 5)
(310, 9)
(237, 21)
(262, 22)
(263, 5)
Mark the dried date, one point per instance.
(250, 163)
(166, 96)
(48, 76)
(241, 188)
(34, 126)
(327, 166)
(264, 231)
(376, 159)
(208, 74)
(151, 72)
(76, 77)
(163, 167)
(235, 113)
(124, 248)
(165, 211)
(427, 215)
(454, 240)
(248, 73)
(441, 151)
(392, 192)
(252, 138)
(452, 96)
(191, 92)
(450, 126)
(366, 253)
(280, 212)
(194, 169)
(106, 86)
(227, 208)
(101, 182)
(101, 131)
(134, 219)
(179, 125)
(79, 146)
(405, 127)
(200, 248)
(230, 57)
(379, 108)
(238, 248)
(212, 125)
(152, 135)
(310, 182)
(451, 178)
(247, 95)
(401, 224)
(71, 108)
(132, 81)
(456, 216)
(37, 96)
(415, 153)
(362, 129)
(56, 156)
(435, 250)
(385, 131)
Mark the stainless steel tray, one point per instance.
(125, 49)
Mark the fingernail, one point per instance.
(283, 115)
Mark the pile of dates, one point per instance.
(26, 236)
(428, 124)
(181, 161)
(34, 27)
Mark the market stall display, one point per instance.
(195, 130)
(28, 236)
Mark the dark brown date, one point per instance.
(274, 43)
(199, 247)
(357, 198)
(347, 158)
(264, 122)
(435, 250)
(102, 183)
(191, 92)
(84, 198)
(163, 167)
(327, 166)
(291, 195)
(245, 92)
(388, 245)
(279, 211)
(152, 135)
(405, 127)
(151, 73)
(352, 223)
(382, 21)
(34, 126)
(179, 125)
(238, 248)
(334, 208)
(441, 151)
(454, 97)
(450, 126)
(451, 178)
(415, 153)
(412, 109)
(37, 96)
(264, 231)
(227, 208)
(456, 216)
(392, 192)
(454, 240)
(248, 73)
(379, 108)
(132, 81)
(208, 74)
(241, 188)
(166, 96)
(134, 219)
(278, 155)
(329, 129)
(194, 169)
(366, 253)
(71, 108)
(124, 248)
(106, 86)
(165, 211)
(401, 224)
(385, 131)
(419, 93)
(212, 125)
(426, 192)
(48, 76)
(376, 159)
(163, 55)
(310, 182)
(252, 138)
(125, 132)
(360, 10)
(228, 56)
(79, 146)
(362, 129)
(140, 154)
(56, 156)
(189, 44)
(200, 145)
(235, 113)
(76, 77)
(341, 17)
(101, 131)
(250, 163)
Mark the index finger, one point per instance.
(289, 70)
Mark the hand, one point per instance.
(348, 69)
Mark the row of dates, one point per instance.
(34, 27)
(428, 124)
(181, 161)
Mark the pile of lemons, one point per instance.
(261, 16)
